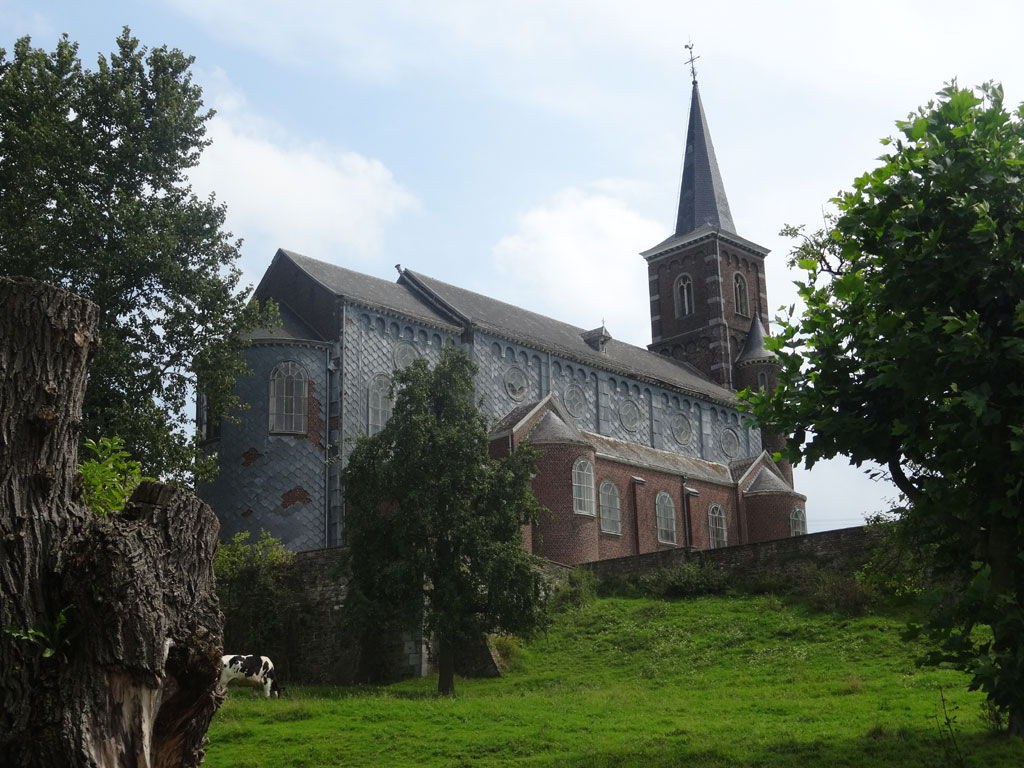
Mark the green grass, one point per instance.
(713, 681)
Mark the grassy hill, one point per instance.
(709, 681)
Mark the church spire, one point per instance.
(702, 197)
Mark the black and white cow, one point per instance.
(256, 671)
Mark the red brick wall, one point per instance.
(562, 535)
(699, 506)
(768, 516)
(639, 515)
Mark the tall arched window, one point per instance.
(379, 410)
(611, 518)
(739, 286)
(666, 513)
(797, 522)
(684, 295)
(583, 487)
(289, 390)
(716, 527)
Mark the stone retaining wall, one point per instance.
(846, 549)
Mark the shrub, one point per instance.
(251, 577)
(686, 580)
(575, 592)
(506, 650)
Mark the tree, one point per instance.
(94, 197)
(910, 352)
(111, 634)
(434, 525)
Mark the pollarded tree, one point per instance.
(94, 197)
(110, 631)
(910, 352)
(434, 525)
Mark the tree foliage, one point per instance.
(434, 525)
(254, 586)
(910, 352)
(94, 197)
(109, 476)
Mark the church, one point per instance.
(640, 449)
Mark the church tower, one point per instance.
(707, 286)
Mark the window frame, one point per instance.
(682, 292)
(661, 514)
(611, 513)
(797, 522)
(740, 295)
(378, 413)
(718, 528)
(583, 487)
(288, 412)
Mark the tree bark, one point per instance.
(112, 630)
(446, 666)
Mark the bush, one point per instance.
(687, 580)
(250, 578)
(506, 651)
(575, 592)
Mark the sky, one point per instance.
(530, 150)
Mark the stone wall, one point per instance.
(322, 649)
(842, 550)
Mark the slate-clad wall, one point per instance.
(612, 405)
(273, 482)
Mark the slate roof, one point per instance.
(517, 324)
(367, 291)
(550, 428)
(753, 348)
(292, 328)
(767, 481)
(702, 197)
(644, 456)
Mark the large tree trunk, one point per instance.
(112, 631)
(446, 666)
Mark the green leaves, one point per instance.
(108, 478)
(910, 352)
(433, 524)
(94, 196)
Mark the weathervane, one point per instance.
(692, 59)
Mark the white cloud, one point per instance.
(328, 203)
(581, 246)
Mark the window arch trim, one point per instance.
(289, 398)
(378, 403)
(665, 515)
(718, 533)
(583, 487)
(739, 288)
(682, 292)
(611, 512)
(797, 522)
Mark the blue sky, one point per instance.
(530, 150)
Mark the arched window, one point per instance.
(611, 519)
(583, 487)
(379, 410)
(683, 293)
(716, 527)
(762, 380)
(289, 390)
(666, 513)
(206, 425)
(797, 522)
(739, 286)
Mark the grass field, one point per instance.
(711, 681)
